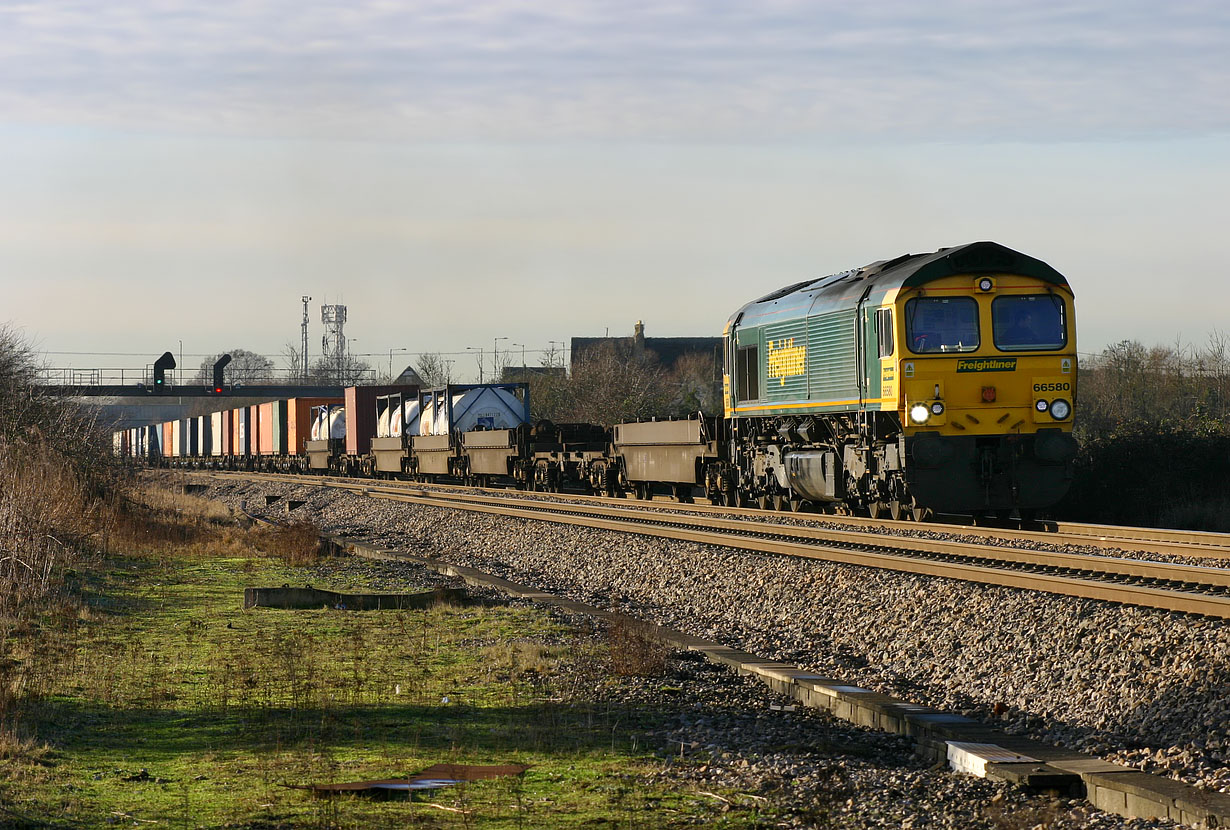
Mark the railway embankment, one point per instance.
(1145, 689)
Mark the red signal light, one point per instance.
(218, 390)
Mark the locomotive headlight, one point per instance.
(1060, 409)
(937, 408)
(986, 284)
(919, 413)
(1041, 405)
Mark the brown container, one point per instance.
(228, 427)
(299, 421)
(254, 429)
(361, 414)
(168, 439)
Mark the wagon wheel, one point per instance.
(538, 477)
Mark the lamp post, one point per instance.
(495, 358)
(478, 349)
(391, 361)
(522, 345)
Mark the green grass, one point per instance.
(175, 707)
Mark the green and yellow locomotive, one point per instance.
(932, 382)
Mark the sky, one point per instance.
(175, 176)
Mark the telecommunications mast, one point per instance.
(333, 344)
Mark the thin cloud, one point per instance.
(434, 71)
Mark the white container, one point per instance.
(215, 424)
(337, 422)
(407, 418)
(487, 408)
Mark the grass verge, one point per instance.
(167, 704)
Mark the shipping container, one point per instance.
(299, 421)
(241, 435)
(254, 430)
(272, 428)
(205, 436)
(361, 414)
(226, 428)
(167, 443)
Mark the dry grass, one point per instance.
(635, 650)
(297, 544)
(48, 518)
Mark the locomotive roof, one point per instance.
(910, 270)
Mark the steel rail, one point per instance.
(1172, 587)
(937, 559)
(1194, 544)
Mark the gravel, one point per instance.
(1140, 687)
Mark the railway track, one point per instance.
(1144, 540)
(1168, 586)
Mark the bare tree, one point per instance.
(292, 357)
(245, 368)
(434, 369)
(351, 372)
(610, 385)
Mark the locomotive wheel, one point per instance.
(876, 509)
(898, 511)
(920, 514)
(779, 502)
(796, 505)
(762, 502)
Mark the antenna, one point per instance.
(303, 354)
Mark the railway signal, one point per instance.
(219, 365)
(167, 361)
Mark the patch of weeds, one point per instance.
(634, 650)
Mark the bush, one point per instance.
(1154, 428)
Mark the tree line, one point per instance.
(1154, 427)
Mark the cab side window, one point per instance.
(748, 366)
(884, 330)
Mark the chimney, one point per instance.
(638, 338)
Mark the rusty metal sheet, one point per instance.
(434, 777)
(307, 597)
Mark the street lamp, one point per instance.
(478, 349)
(495, 358)
(522, 345)
(391, 361)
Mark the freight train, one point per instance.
(941, 382)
